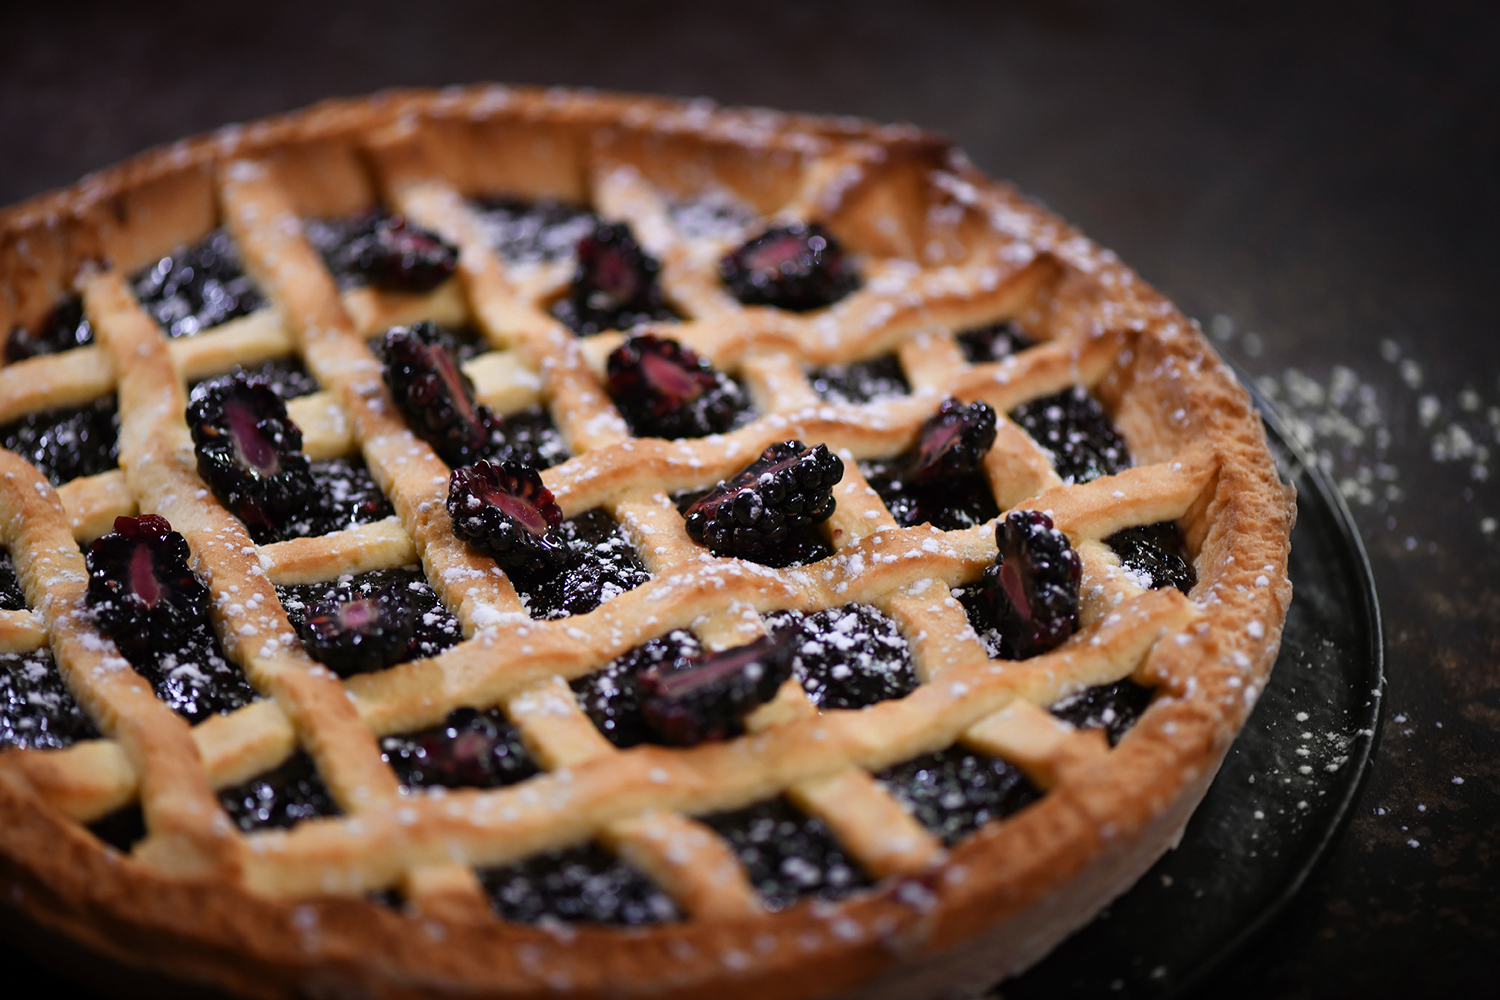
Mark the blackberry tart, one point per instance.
(980, 566)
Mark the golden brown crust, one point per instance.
(279, 914)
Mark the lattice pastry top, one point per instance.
(863, 620)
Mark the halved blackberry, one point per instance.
(583, 884)
(434, 628)
(141, 590)
(615, 286)
(704, 698)
(1113, 708)
(788, 488)
(1031, 591)
(993, 342)
(1156, 552)
(68, 442)
(941, 479)
(464, 342)
(357, 633)
(65, 328)
(505, 512)
(435, 395)
(280, 798)
(250, 454)
(37, 712)
(469, 749)
(197, 286)
(665, 390)
(383, 250)
(796, 267)
(787, 854)
(861, 381)
(600, 563)
(612, 697)
(531, 232)
(287, 377)
(1082, 439)
(847, 657)
(955, 791)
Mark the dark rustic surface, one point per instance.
(1317, 186)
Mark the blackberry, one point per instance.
(583, 884)
(788, 855)
(1113, 708)
(600, 563)
(434, 628)
(665, 390)
(790, 487)
(68, 442)
(37, 712)
(993, 342)
(797, 267)
(142, 592)
(614, 286)
(955, 791)
(280, 798)
(464, 343)
(1074, 428)
(861, 381)
(1157, 552)
(436, 396)
(287, 377)
(470, 749)
(532, 232)
(355, 633)
(65, 328)
(383, 250)
(505, 512)
(250, 454)
(611, 695)
(847, 657)
(690, 701)
(940, 480)
(197, 286)
(1032, 588)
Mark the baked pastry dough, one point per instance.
(941, 249)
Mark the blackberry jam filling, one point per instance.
(848, 657)
(12, 598)
(280, 798)
(287, 377)
(955, 791)
(433, 627)
(381, 249)
(994, 342)
(470, 749)
(1156, 554)
(862, 381)
(941, 480)
(530, 437)
(787, 854)
(65, 328)
(197, 286)
(121, 829)
(1074, 428)
(36, 710)
(615, 285)
(145, 597)
(584, 884)
(69, 442)
(1113, 708)
(599, 564)
(534, 232)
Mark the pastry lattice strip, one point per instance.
(861, 438)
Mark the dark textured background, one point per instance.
(1311, 183)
